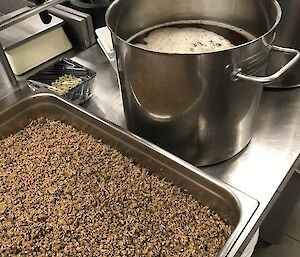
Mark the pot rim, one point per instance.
(262, 37)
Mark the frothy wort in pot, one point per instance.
(188, 38)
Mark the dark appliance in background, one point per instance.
(44, 15)
(95, 8)
(287, 36)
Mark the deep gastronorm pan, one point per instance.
(233, 205)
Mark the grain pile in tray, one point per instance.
(64, 193)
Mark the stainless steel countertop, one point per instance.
(261, 170)
(265, 166)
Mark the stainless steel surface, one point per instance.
(7, 76)
(90, 26)
(13, 5)
(32, 11)
(287, 35)
(278, 73)
(261, 170)
(75, 27)
(297, 164)
(187, 103)
(266, 164)
(24, 30)
(106, 100)
(230, 203)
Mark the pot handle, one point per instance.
(237, 74)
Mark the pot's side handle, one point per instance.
(237, 74)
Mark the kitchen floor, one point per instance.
(290, 244)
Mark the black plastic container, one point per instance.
(79, 94)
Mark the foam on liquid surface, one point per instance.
(184, 40)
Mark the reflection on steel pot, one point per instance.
(199, 106)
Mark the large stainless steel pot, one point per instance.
(200, 107)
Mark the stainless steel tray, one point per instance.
(231, 204)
